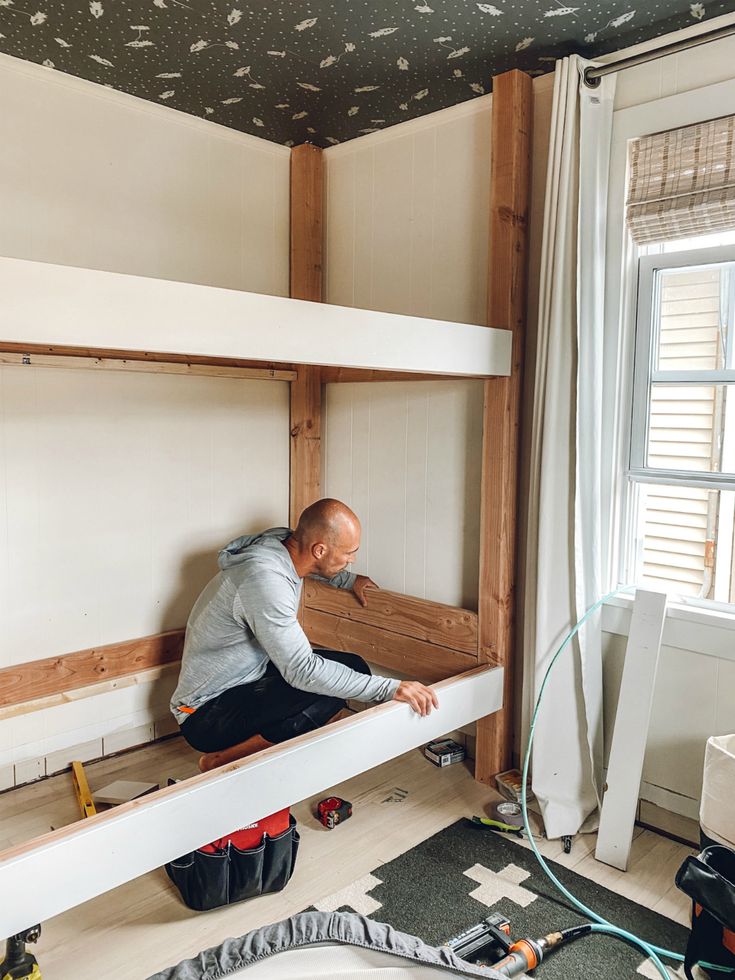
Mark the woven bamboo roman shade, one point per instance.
(682, 182)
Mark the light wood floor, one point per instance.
(143, 927)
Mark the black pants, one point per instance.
(269, 707)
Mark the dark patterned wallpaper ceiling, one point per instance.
(319, 71)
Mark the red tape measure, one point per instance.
(332, 811)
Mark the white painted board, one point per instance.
(61, 305)
(90, 857)
(625, 766)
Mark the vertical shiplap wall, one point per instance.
(117, 490)
(405, 457)
(407, 232)
(95, 178)
(408, 215)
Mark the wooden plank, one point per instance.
(306, 282)
(512, 105)
(150, 357)
(307, 220)
(30, 681)
(407, 656)
(111, 848)
(54, 305)
(338, 375)
(433, 622)
(145, 367)
(630, 734)
(306, 444)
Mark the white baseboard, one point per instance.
(44, 741)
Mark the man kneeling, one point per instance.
(249, 677)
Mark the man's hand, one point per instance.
(362, 582)
(420, 698)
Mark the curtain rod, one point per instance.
(592, 76)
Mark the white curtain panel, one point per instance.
(564, 574)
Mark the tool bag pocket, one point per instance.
(709, 880)
(210, 880)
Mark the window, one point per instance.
(682, 452)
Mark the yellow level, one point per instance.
(81, 788)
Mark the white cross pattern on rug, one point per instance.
(495, 885)
(354, 895)
(647, 969)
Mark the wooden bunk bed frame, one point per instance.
(468, 652)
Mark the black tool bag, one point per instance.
(709, 880)
(208, 881)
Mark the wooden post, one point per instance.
(306, 283)
(512, 108)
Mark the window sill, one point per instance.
(706, 631)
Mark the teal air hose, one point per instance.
(600, 925)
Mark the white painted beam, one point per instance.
(60, 870)
(58, 305)
(625, 767)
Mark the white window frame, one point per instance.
(621, 275)
(645, 374)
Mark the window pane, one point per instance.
(701, 241)
(675, 525)
(693, 315)
(692, 428)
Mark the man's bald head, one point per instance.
(326, 520)
(327, 535)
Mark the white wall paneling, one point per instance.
(98, 179)
(407, 458)
(117, 491)
(408, 216)
(177, 819)
(692, 700)
(696, 68)
(87, 723)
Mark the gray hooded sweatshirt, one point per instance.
(246, 616)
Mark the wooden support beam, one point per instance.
(307, 218)
(41, 678)
(403, 654)
(147, 357)
(307, 205)
(306, 441)
(332, 375)
(60, 870)
(512, 105)
(135, 365)
(432, 622)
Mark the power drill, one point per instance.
(19, 964)
(526, 954)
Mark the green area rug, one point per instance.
(459, 876)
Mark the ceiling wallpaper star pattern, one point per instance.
(322, 72)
